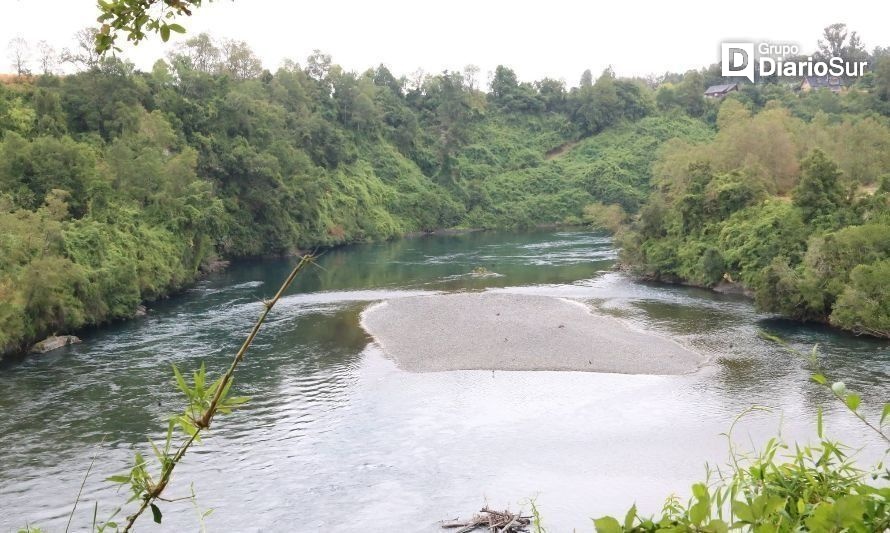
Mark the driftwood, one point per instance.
(494, 521)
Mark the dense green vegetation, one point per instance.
(794, 209)
(118, 186)
(790, 200)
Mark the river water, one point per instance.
(336, 438)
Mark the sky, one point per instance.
(557, 38)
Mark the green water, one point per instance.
(336, 438)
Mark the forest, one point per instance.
(119, 186)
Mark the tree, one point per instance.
(239, 60)
(819, 191)
(504, 83)
(48, 58)
(507, 93)
(606, 102)
(731, 113)
(835, 36)
(666, 97)
(882, 78)
(384, 78)
(202, 53)
(690, 93)
(864, 306)
(586, 78)
(553, 92)
(471, 77)
(85, 55)
(838, 42)
(20, 55)
(318, 65)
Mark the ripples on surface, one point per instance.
(335, 438)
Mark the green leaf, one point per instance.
(180, 381)
(177, 28)
(698, 512)
(156, 513)
(237, 400)
(200, 376)
(629, 517)
(743, 512)
(772, 505)
(885, 413)
(718, 526)
(118, 479)
(700, 491)
(187, 426)
(853, 401)
(819, 426)
(819, 378)
(165, 33)
(606, 524)
(844, 513)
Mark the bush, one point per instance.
(864, 305)
(611, 218)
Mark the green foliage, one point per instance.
(724, 204)
(134, 18)
(815, 488)
(864, 304)
(126, 183)
(819, 192)
(781, 489)
(611, 218)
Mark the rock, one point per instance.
(54, 343)
(214, 265)
(140, 311)
(731, 287)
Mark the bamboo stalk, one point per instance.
(207, 418)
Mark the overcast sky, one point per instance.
(555, 38)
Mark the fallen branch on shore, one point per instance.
(494, 521)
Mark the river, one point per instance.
(336, 438)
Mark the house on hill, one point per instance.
(832, 83)
(720, 91)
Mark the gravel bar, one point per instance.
(502, 331)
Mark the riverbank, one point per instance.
(22, 347)
(497, 331)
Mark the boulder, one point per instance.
(54, 342)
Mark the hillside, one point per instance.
(118, 186)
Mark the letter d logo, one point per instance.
(737, 59)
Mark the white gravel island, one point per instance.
(502, 331)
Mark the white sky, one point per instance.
(557, 38)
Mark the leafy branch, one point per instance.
(816, 488)
(204, 402)
(134, 18)
(838, 389)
